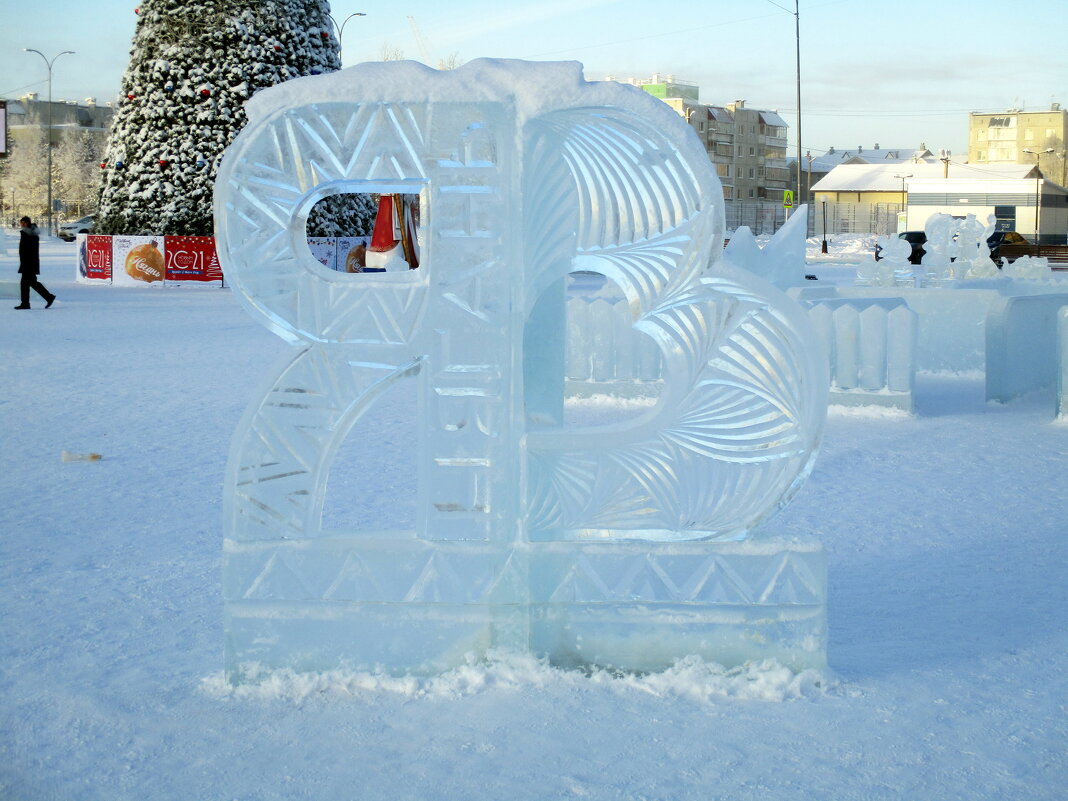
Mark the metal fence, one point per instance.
(767, 217)
(854, 218)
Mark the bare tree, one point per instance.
(76, 172)
(450, 62)
(24, 178)
(390, 53)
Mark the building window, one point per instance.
(752, 173)
(1029, 134)
(752, 151)
(752, 193)
(981, 155)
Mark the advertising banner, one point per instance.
(324, 249)
(191, 258)
(94, 258)
(137, 260)
(351, 254)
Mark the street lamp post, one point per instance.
(1038, 189)
(903, 177)
(904, 197)
(797, 45)
(823, 245)
(341, 28)
(48, 140)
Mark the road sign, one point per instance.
(787, 199)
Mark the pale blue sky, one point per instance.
(893, 73)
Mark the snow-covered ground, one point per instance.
(948, 570)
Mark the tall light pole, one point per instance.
(797, 42)
(48, 138)
(1038, 188)
(341, 28)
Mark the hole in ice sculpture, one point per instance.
(612, 370)
(373, 479)
(367, 232)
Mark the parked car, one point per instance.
(68, 231)
(999, 238)
(915, 238)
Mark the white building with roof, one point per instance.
(1012, 193)
(816, 168)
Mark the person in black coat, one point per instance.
(30, 264)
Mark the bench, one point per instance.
(1057, 253)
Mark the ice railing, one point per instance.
(626, 545)
(870, 343)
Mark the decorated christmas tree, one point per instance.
(193, 65)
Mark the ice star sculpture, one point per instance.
(622, 546)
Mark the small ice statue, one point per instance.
(627, 546)
(973, 252)
(940, 249)
(892, 268)
(1029, 268)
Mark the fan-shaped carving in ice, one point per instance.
(519, 187)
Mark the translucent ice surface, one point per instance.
(625, 545)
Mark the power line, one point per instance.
(20, 88)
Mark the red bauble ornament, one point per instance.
(130, 97)
(163, 162)
(137, 11)
(277, 48)
(103, 165)
(325, 34)
(206, 92)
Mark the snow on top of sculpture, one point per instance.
(609, 182)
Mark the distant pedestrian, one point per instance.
(30, 264)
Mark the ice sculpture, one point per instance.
(973, 253)
(1028, 268)
(782, 261)
(892, 268)
(939, 250)
(625, 546)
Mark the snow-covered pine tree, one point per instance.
(193, 65)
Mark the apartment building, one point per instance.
(29, 112)
(746, 145)
(1021, 137)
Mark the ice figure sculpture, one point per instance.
(936, 266)
(892, 268)
(973, 252)
(624, 546)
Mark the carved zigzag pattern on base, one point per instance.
(428, 574)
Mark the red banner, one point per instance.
(191, 258)
(95, 258)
